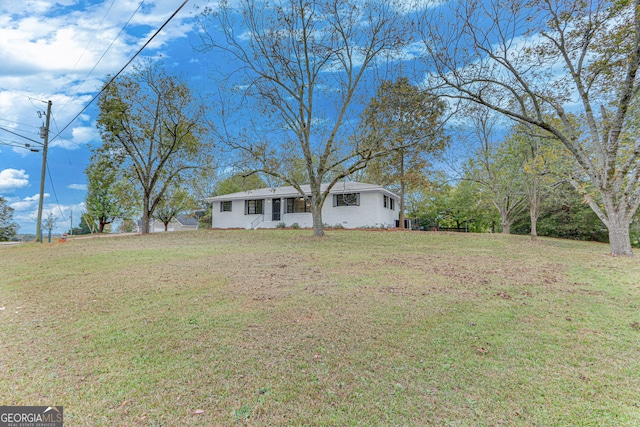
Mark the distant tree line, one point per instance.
(8, 228)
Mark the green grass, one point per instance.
(370, 328)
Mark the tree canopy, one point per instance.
(8, 228)
(537, 63)
(106, 191)
(409, 123)
(151, 127)
(303, 62)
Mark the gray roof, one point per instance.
(290, 191)
(182, 219)
(187, 219)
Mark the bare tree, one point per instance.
(49, 224)
(536, 62)
(304, 62)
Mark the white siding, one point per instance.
(234, 219)
(370, 213)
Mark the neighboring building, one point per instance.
(349, 205)
(179, 223)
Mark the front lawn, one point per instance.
(276, 327)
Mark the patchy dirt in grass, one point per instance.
(481, 270)
(283, 328)
(264, 277)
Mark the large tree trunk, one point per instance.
(144, 229)
(318, 226)
(145, 215)
(617, 219)
(505, 221)
(619, 238)
(533, 214)
(534, 229)
(402, 190)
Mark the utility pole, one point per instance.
(44, 133)
(71, 226)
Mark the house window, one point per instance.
(298, 205)
(388, 202)
(347, 199)
(225, 206)
(253, 207)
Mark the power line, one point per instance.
(104, 53)
(64, 147)
(22, 94)
(21, 136)
(98, 29)
(53, 189)
(18, 145)
(18, 123)
(123, 68)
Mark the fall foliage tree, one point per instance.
(151, 127)
(496, 170)
(173, 202)
(408, 121)
(104, 201)
(8, 228)
(537, 62)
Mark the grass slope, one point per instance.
(359, 328)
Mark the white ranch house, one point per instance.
(350, 205)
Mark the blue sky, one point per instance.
(61, 51)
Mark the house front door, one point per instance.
(275, 213)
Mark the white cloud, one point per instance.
(26, 217)
(85, 134)
(81, 187)
(63, 215)
(27, 203)
(13, 179)
(62, 50)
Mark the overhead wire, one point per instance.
(18, 123)
(31, 97)
(21, 136)
(63, 146)
(106, 85)
(124, 67)
(104, 53)
(53, 189)
(18, 145)
(98, 29)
